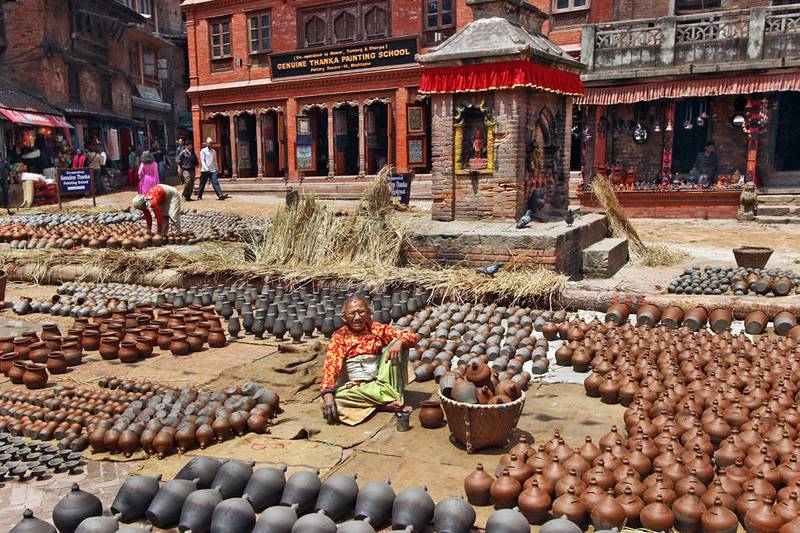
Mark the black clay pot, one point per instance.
(276, 519)
(232, 478)
(302, 489)
(131, 529)
(201, 468)
(233, 515)
(165, 509)
(356, 526)
(265, 487)
(198, 509)
(99, 524)
(413, 507)
(234, 327)
(134, 497)
(328, 327)
(73, 508)
(453, 515)
(337, 496)
(314, 523)
(560, 525)
(31, 524)
(374, 502)
(507, 521)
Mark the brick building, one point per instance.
(665, 77)
(110, 67)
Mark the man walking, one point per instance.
(187, 163)
(208, 170)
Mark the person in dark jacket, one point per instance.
(706, 167)
(187, 163)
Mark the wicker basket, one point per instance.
(752, 256)
(481, 426)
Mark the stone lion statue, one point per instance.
(748, 202)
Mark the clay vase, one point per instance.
(374, 503)
(232, 478)
(74, 508)
(265, 486)
(453, 515)
(216, 337)
(202, 468)
(179, 345)
(164, 510)
(195, 342)
(56, 364)
(657, 516)
(34, 376)
(144, 346)
(504, 491)
(302, 489)
(134, 497)
(198, 509)
(431, 414)
(128, 353)
(783, 322)
(7, 361)
(109, 346)
(479, 373)
(607, 513)
(337, 496)
(688, 509)
(477, 487)
(534, 503)
(465, 392)
(412, 507)
(205, 436)
(233, 515)
(719, 519)
(31, 524)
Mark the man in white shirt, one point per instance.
(208, 170)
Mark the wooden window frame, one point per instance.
(438, 26)
(107, 92)
(73, 83)
(699, 7)
(259, 15)
(135, 61)
(572, 6)
(328, 14)
(221, 61)
(145, 75)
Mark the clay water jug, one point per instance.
(134, 497)
(453, 515)
(232, 477)
(413, 507)
(276, 519)
(375, 501)
(233, 516)
(534, 503)
(73, 508)
(302, 489)
(164, 510)
(202, 468)
(265, 486)
(337, 496)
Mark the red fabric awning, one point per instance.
(631, 94)
(502, 75)
(35, 119)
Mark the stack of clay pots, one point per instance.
(710, 440)
(739, 281)
(30, 358)
(24, 459)
(230, 496)
(217, 226)
(126, 236)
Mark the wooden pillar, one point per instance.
(233, 139)
(401, 129)
(259, 146)
(389, 134)
(291, 138)
(281, 145)
(362, 142)
(331, 143)
(600, 138)
(669, 133)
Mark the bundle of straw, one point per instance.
(620, 224)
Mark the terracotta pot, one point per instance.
(34, 376)
(195, 342)
(73, 354)
(783, 322)
(179, 345)
(164, 338)
(90, 341)
(216, 337)
(504, 491)
(431, 414)
(56, 363)
(128, 353)
(696, 318)
(22, 347)
(534, 503)
(16, 372)
(719, 519)
(38, 352)
(7, 360)
(756, 322)
(6, 344)
(617, 314)
(648, 315)
(720, 319)
(109, 346)
(657, 516)
(145, 346)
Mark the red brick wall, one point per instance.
(673, 204)
(730, 142)
(646, 158)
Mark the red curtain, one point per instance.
(502, 75)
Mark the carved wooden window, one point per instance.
(569, 5)
(315, 31)
(376, 22)
(439, 14)
(221, 44)
(690, 5)
(260, 38)
(344, 25)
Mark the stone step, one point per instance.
(777, 219)
(770, 210)
(605, 258)
(778, 199)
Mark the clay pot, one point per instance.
(195, 342)
(202, 468)
(688, 509)
(56, 363)
(265, 486)
(232, 477)
(720, 319)
(128, 353)
(608, 513)
(205, 436)
(534, 502)
(570, 506)
(34, 376)
(109, 346)
(756, 322)
(134, 497)
(38, 352)
(617, 314)
(762, 519)
(31, 524)
(7, 361)
(216, 337)
(648, 315)
(144, 346)
(783, 322)
(179, 345)
(198, 509)
(337, 496)
(657, 516)
(163, 444)
(90, 340)
(73, 354)
(164, 338)
(164, 510)
(477, 487)
(431, 414)
(719, 519)
(301, 489)
(75, 507)
(696, 318)
(412, 507)
(453, 515)
(504, 491)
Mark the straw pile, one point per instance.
(659, 255)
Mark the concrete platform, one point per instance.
(605, 258)
(551, 245)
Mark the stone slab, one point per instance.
(604, 259)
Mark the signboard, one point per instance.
(401, 188)
(305, 157)
(75, 181)
(344, 58)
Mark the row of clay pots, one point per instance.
(739, 281)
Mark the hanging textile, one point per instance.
(112, 145)
(502, 75)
